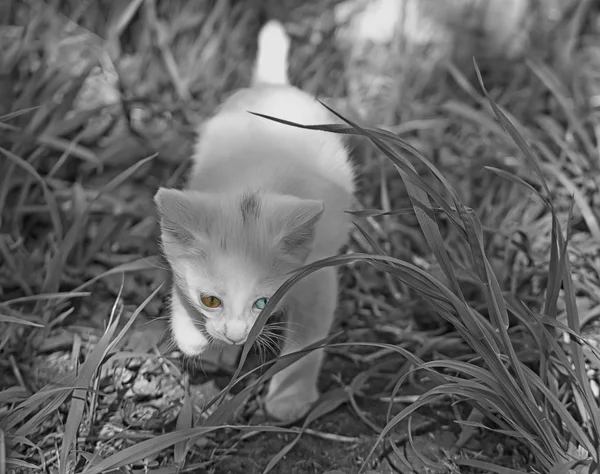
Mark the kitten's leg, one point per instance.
(222, 356)
(188, 337)
(310, 306)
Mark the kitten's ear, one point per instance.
(178, 213)
(298, 219)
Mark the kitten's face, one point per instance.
(226, 292)
(228, 256)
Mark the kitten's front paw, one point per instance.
(292, 404)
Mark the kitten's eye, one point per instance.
(261, 303)
(211, 301)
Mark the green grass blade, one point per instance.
(160, 443)
(59, 296)
(55, 268)
(138, 265)
(514, 134)
(488, 466)
(78, 401)
(560, 92)
(48, 196)
(372, 242)
(13, 395)
(184, 422)
(11, 319)
(515, 179)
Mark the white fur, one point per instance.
(227, 135)
(271, 61)
(304, 183)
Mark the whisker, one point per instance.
(166, 317)
(278, 337)
(267, 346)
(170, 345)
(282, 327)
(261, 350)
(262, 345)
(271, 343)
(285, 335)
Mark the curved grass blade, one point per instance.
(48, 196)
(488, 467)
(160, 443)
(12, 319)
(560, 92)
(514, 134)
(46, 296)
(516, 179)
(55, 268)
(139, 265)
(184, 421)
(85, 379)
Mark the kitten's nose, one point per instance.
(235, 332)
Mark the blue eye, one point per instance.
(261, 303)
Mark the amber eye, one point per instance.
(211, 301)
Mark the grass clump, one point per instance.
(467, 284)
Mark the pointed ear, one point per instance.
(182, 216)
(297, 219)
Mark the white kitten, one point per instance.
(263, 199)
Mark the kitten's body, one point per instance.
(263, 198)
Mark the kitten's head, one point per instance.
(229, 254)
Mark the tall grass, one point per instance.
(518, 401)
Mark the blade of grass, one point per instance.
(372, 242)
(109, 230)
(488, 466)
(13, 395)
(579, 359)
(3, 461)
(494, 297)
(50, 200)
(57, 263)
(17, 113)
(560, 92)
(514, 134)
(184, 421)
(84, 379)
(11, 319)
(54, 143)
(30, 406)
(515, 179)
(138, 265)
(46, 296)
(160, 443)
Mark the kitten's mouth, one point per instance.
(235, 343)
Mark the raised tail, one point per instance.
(271, 66)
